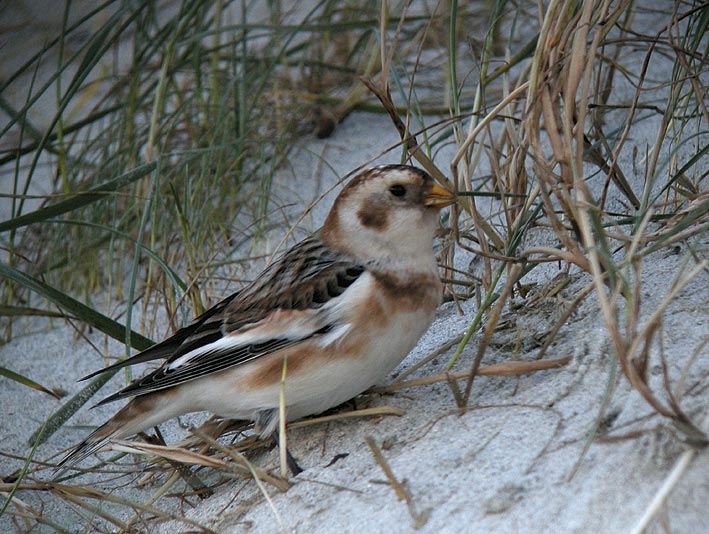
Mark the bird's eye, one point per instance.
(397, 190)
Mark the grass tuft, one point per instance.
(169, 122)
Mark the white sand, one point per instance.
(505, 465)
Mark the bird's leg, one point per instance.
(293, 466)
(267, 420)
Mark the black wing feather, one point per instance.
(304, 277)
(181, 342)
(206, 363)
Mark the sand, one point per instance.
(518, 460)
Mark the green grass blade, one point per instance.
(169, 272)
(81, 311)
(25, 381)
(55, 421)
(26, 311)
(81, 199)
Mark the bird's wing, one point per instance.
(290, 302)
(205, 325)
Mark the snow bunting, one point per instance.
(342, 308)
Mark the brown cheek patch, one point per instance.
(373, 216)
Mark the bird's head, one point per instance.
(386, 211)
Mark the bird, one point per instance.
(342, 308)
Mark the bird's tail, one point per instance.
(93, 443)
(139, 414)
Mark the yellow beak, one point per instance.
(438, 197)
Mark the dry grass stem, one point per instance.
(402, 492)
(366, 412)
(663, 492)
(511, 368)
(169, 175)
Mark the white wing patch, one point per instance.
(334, 335)
(294, 324)
(281, 324)
(220, 343)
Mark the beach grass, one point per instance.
(171, 121)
